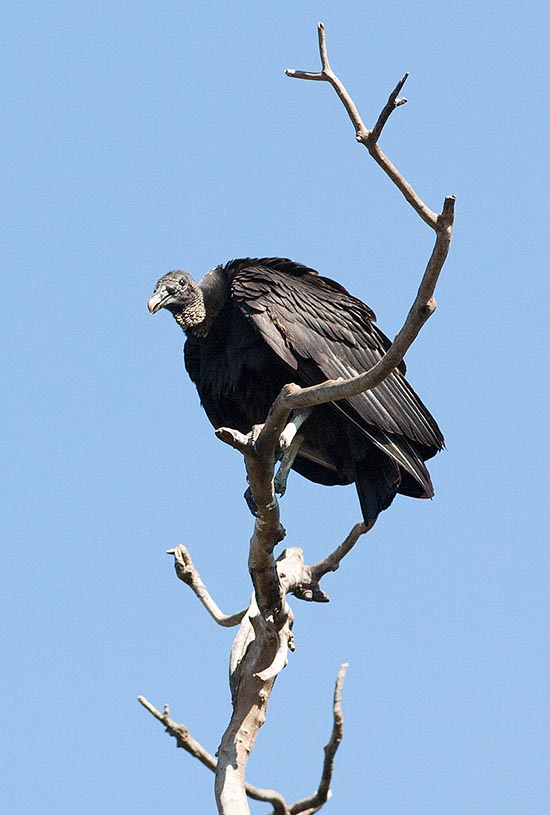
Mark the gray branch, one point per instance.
(188, 574)
(307, 806)
(369, 138)
(186, 741)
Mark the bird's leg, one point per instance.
(290, 442)
(290, 431)
(287, 460)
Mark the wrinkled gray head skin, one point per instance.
(178, 292)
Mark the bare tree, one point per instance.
(260, 649)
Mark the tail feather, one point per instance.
(377, 480)
(406, 454)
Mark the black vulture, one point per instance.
(256, 324)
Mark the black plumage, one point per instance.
(254, 325)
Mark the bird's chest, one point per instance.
(235, 372)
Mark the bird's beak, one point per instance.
(156, 302)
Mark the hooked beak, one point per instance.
(157, 301)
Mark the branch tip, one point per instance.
(446, 217)
(233, 438)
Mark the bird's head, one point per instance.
(178, 292)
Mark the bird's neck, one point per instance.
(215, 291)
(193, 316)
(212, 292)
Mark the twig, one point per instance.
(187, 572)
(182, 735)
(327, 75)
(307, 806)
(332, 562)
(186, 741)
(393, 102)
(369, 138)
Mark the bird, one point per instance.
(253, 325)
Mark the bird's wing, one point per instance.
(322, 332)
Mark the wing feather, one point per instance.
(322, 332)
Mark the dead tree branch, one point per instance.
(369, 138)
(307, 806)
(182, 735)
(314, 803)
(186, 741)
(260, 649)
(187, 573)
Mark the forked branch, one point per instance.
(307, 806)
(369, 138)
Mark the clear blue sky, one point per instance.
(144, 137)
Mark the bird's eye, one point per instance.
(183, 282)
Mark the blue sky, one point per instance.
(144, 137)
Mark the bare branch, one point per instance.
(262, 641)
(393, 102)
(327, 75)
(187, 572)
(292, 397)
(332, 562)
(369, 138)
(335, 736)
(182, 735)
(303, 581)
(307, 806)
(186, 741)
(233, 438)
(260, 648)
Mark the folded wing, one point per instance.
(322, 332)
